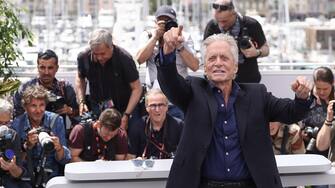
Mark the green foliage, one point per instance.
(11, 31)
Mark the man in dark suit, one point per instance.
(226, 140)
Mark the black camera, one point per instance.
(55, 102)
(311, 133)
(169, 24)
(244, 41)
(45, 140)
(6, 140)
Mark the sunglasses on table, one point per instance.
(222, 7)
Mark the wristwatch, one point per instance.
(180, 48)
(259, 52)
(126, 114)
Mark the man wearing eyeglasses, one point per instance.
(247, 32)
(102, 139)
(156, 135)
(62, 97)
(151, 40)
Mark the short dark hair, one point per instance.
(110, 118)
(46, 55)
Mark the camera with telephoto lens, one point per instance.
(45, 140)
(311, 133)
(244, 41)
(169, 24)
(55, 102)
(6, 143)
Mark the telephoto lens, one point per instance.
(46, 142)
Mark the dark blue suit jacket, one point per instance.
(254, 107)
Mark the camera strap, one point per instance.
(284, 140)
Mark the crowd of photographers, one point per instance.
(52, 123)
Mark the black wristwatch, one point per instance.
(126, 114)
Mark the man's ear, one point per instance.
(236, 68)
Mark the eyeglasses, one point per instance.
(47, 54)
(222, 7)
(155, 106)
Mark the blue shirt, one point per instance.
(22, 126)
(59, 88)
(224, 159)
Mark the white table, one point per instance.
(294, 170)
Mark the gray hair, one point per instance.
(34, 92)
(152, 92)
(222, 37)
(6, 107)
(100, 36)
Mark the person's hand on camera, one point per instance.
(302, 87)
(32, 138)
(65, 110)
(159, 30)
(60, 154)
(55, 140)
(330, 111)
(8, 165)
(250, 52)
(173, 39)
(11, 167)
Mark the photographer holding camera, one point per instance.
(42, 136)
(11, 169)
(249, 36)
(153, 39)
(62, 98)
(101, 139)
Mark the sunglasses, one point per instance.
(222, 7)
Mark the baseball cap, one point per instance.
(166, 10)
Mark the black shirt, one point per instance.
(169, 135)
(248, 71)
(109, 81)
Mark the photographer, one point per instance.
(62, 98)
(156, 135)
(10, 158)
(102, 139)
(153, 39)
(249, 36)
(42, 136)
(325, 139)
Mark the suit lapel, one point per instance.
(241, 111)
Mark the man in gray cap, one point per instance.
(150, 42)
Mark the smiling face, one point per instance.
(220, 65)
(157, 106)
(35, 109)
